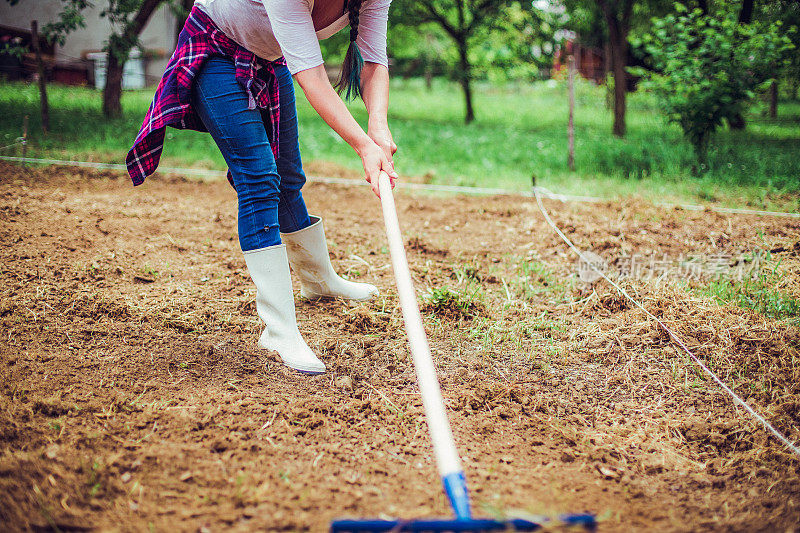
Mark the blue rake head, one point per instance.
(455, 486)
(584, 521)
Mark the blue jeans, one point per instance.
(269, 194)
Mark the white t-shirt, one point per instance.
(274, 28)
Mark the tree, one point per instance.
(617, 14)
(609, 21)
(128, 18)
(738, 122)
(69, 19)
(787, 12)
(706, 68)
(612, 25)
(523, 42)
(461, 20)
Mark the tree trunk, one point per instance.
(112, 92)
(737, 122)
(465, 76)
(773, 100)
(617, 15)
(44, 105)
(119, 47)
(746, 13)
(745, 17)
(619, 53)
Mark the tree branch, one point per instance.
(440, 19)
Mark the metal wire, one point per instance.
(416, 186)
(739, 401)
(18, 140)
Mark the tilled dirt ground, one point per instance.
(133, 396)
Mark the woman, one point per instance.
(231, 75)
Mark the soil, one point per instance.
(133, 395)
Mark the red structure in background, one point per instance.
(589, 62)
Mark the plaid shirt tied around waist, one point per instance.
(200, 40)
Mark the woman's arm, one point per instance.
(375, 92)
(294, 30)
(323, 98)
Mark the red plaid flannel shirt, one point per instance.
(200, 40)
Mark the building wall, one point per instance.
(158, 35)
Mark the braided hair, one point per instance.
(350, 78)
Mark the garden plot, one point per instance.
(133, 396)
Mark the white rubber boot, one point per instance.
(269, 268)
(308, 255)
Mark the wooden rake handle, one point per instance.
(438, 425)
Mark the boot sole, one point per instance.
(335, 297)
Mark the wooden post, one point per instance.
(42, 77)
(571, 122)
(24, 139)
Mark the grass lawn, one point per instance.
(520, 132)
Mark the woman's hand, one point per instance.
(374, 159)
(375, 155)
(383, 138)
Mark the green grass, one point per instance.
(759, 292)
(444, 301)
(759, 296)
(520, 132)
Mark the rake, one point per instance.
(444, 447)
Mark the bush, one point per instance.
(707, 68)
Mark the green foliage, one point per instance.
(121, 14)
(520, 45)
(69, 19)
(487, 39)
(787, 12)
(707, 68)
(585, 18)
(421, 50)
(13, 49)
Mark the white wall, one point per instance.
(159, 34)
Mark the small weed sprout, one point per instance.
(466, 274)
(535, 279)
(447, 302)
(149, 271)
(93, 482)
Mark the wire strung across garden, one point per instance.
(736, 398)
(458, 189)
